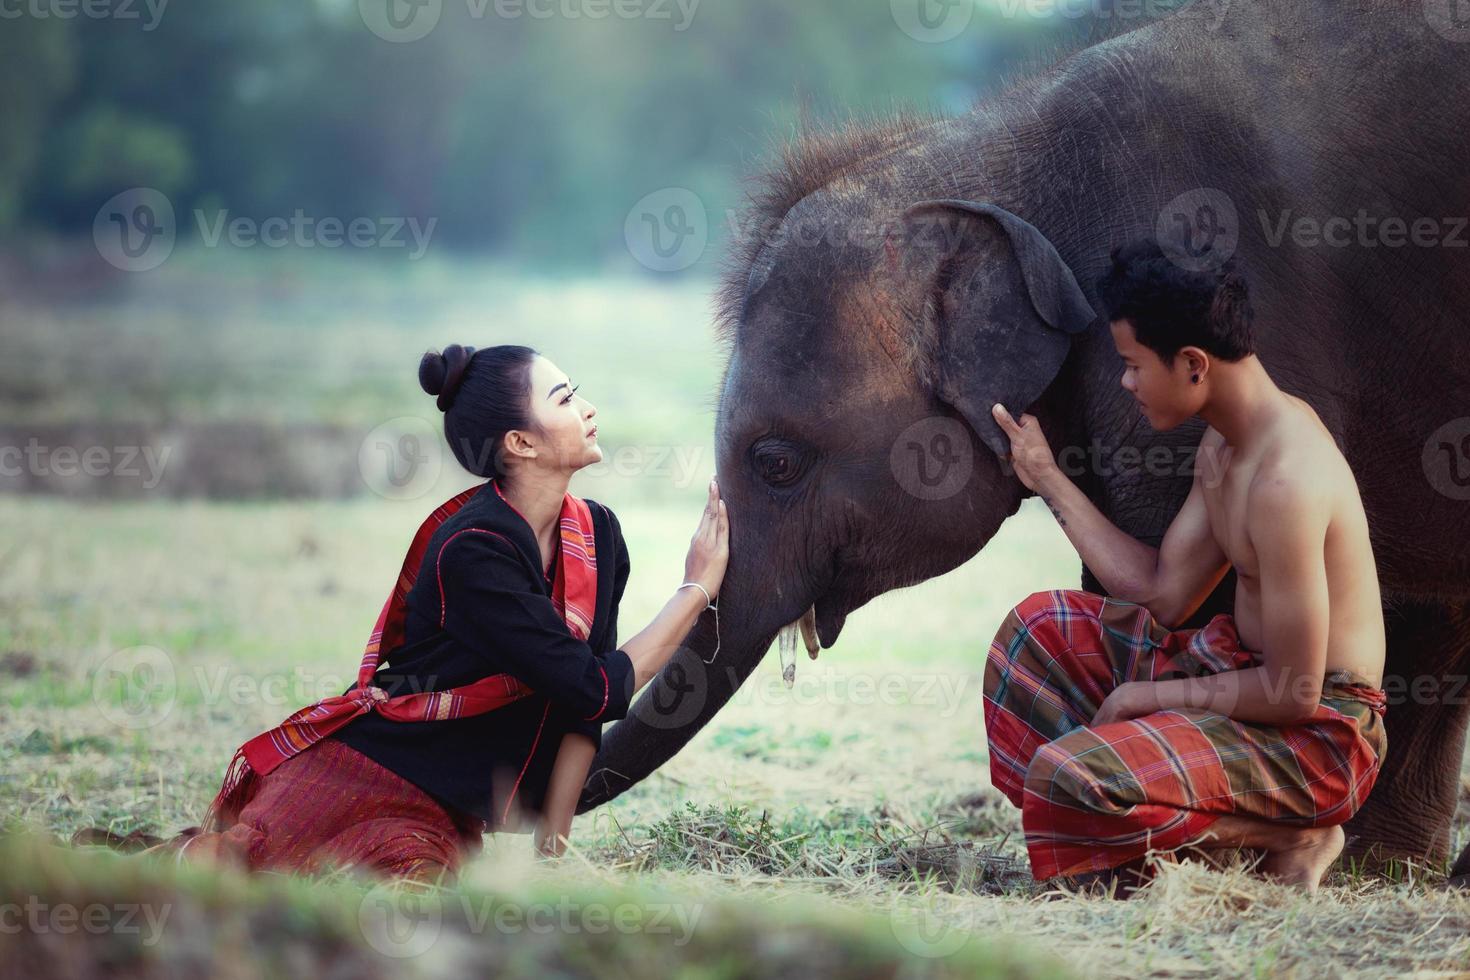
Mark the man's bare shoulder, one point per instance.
(1308, 447)
(1301, 470)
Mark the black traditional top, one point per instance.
(495, 603)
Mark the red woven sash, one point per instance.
(574, 592)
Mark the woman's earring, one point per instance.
(1194, 378)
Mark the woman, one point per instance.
(501, 645)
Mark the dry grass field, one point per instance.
(843, 826)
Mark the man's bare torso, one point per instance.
(1301, 447)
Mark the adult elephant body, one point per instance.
(885, 292)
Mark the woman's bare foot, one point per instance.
(1306, 856)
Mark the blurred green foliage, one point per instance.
(520, 133)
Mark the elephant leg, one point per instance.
(1411, 809)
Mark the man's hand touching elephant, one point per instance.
(1030, 454)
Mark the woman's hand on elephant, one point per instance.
(1031, 456)
(709, 549)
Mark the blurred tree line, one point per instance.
(530, 135)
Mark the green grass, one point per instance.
(83, 914)
(845, 825)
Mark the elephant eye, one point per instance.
(776, 461)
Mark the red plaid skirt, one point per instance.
(1096, 798)
(331, 807)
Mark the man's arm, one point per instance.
(1288, 528)
(1287, 520)
(1170, 581)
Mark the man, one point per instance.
(1117, 734)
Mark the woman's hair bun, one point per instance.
(441, 373)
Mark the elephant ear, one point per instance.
(1007, 308)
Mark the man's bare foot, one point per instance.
(1308, 853)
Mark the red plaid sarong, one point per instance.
(574, 592)
(334, 808)
(1095, 798)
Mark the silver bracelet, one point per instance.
(710, 604)
(709, 601)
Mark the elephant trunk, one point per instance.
(696, 683)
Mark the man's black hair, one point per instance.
(1171, 307)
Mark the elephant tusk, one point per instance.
(808, 623)
(786, 641)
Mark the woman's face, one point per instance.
(563, 433)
